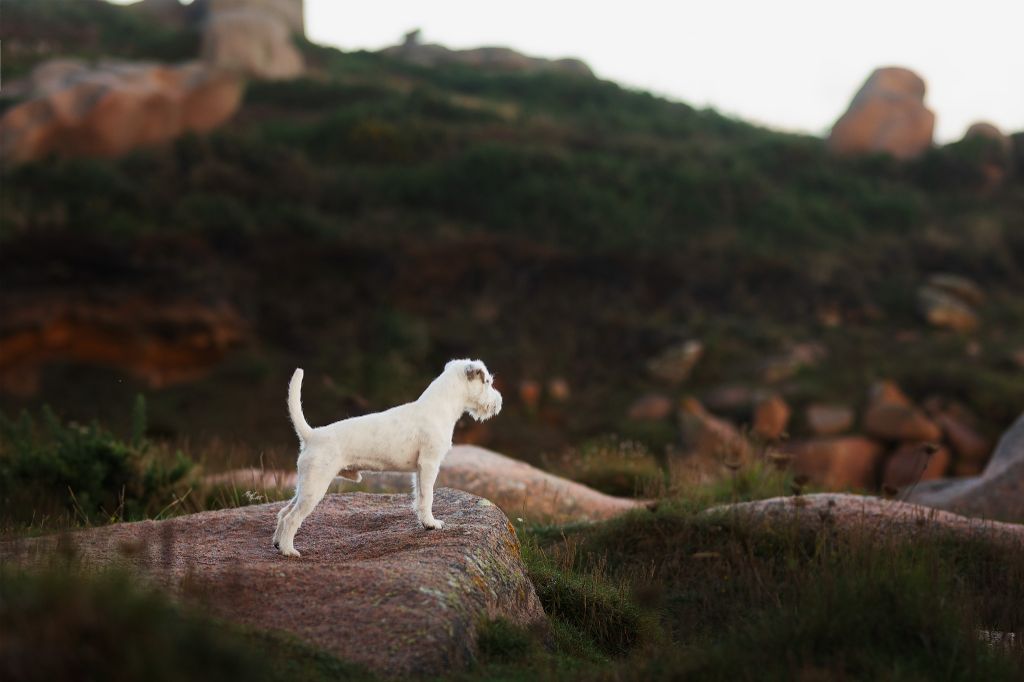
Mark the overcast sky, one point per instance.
(788, 64)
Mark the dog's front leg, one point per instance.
(426, 474)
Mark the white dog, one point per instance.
(412, 437)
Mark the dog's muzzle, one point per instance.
(488, 407)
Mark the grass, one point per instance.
(107, 626)
(662, 594)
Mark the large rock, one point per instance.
(886, 115)
(113, 108)
(771, 416)
(288, 12)
(828, 420)
(886, 519)
(251, 42)
(650, 407)
(941, 308)
(891, 416)
(704, 434)
(994, 154)
(998, 493)
(372, 587)
(837, 463)
(913, 462)
(516, 487)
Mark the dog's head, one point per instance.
(482, 400)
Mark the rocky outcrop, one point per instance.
(883, 519)
(998, 493)
(886, 115)
(516, 487)
(372, 587)
(288, 12)
(110, 109)
(490, 58)
(160, 344)
(245, 39)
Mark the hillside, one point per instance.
(375, 218)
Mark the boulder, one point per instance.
(994, 152)
(998, 493)
(675, 364)
(650, 407)
(887, 115)
(964, 288)
(828, 420)
(913, 462)
(705, 434)
(114, 108)
(250, 42)
(948, 300)
(771, 416)
(516, 487)
(891, 416)
(838, 462)
(968, 444)
(372, 586)
(884, 519)
(288, 12)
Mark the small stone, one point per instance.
(558, 389)
(529, 393)
(651, 407)
(675, 364)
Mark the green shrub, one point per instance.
(85, 470)
(60, 624)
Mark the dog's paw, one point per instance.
(290, 551)
(433, 524)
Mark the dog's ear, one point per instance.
(474, 373)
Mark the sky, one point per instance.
(787, 64)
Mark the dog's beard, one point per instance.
(484, 410)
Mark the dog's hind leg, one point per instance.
(309, 491)
(280, 521)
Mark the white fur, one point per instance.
(412, 437)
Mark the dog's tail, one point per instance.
(302, 427)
